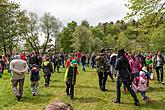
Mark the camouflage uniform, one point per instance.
(103, 68)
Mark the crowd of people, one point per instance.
(133, 70)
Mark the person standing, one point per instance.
(93, 60)
(113, 59)
(122, 65)
(2, 64)
(56, 62)
(139, 57)
(83, 61)
(158, 65)
(18, 68)
(62, 59)
(103, 67)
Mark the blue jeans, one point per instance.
(159, 71)
(143, 93)
(62, 62)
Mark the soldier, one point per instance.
(103, 68)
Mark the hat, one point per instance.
(144, 69)
(74, 62)
(17, 57)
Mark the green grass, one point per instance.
(87, 94)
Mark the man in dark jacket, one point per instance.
(48, 70)
(103, 67)
(83, 61)
(123, 67)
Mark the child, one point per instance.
(140, 83)
(70, 78)
(34, 77)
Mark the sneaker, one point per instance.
(71, 97)
(137, 103)
(18, 98)
(162, 82)
(46, 85)
(115, 101)
(67, 93)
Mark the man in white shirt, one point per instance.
(18, 68)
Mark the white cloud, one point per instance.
(94, 11)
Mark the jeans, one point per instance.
(93, 64)
(62, 62)
(83, 64)
(159, 71)
(18, 92)
(102, 79)
(126, 83)
(70, 90)
(34, 87)
(143, 93)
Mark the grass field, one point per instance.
(87, 94)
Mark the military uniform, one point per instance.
(103, 68)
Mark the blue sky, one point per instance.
(94, 11)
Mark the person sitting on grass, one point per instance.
(58, 106)
(34, 78)
(70, 78)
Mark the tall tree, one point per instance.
(82, 39)
(9, 24)
(64, 38)
(30, 28)
(50, 27)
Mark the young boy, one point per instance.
(34, 77)
(70, 78)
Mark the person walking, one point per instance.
(18, 68)
(48, 70)
(34, 78)
(140, 83)
(70, 78)
(124, 69)
(158, 65)
(103, 67)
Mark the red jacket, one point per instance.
(68, 62)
